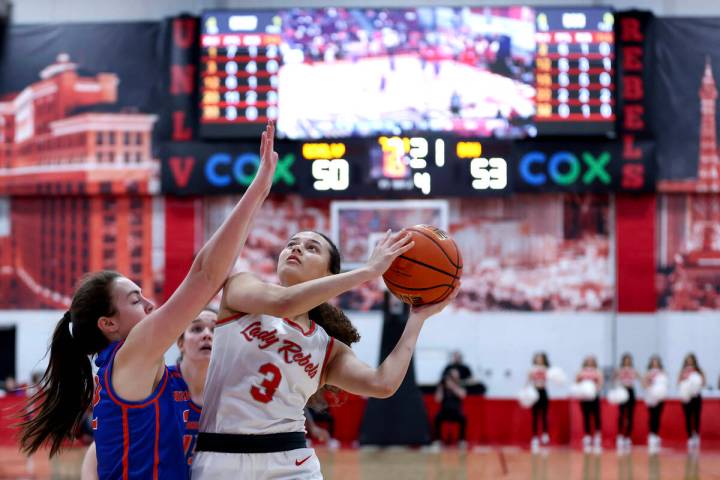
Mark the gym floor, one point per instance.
(507, 463)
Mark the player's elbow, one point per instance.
(384, 389)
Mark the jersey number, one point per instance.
(188, 447)
(269, 385)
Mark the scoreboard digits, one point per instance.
(406, 166)
(239, 71)
(574, 71)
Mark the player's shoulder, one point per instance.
(242, 277)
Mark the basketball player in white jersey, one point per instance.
(275, 347)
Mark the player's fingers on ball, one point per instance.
(402, 241)
(406, 247)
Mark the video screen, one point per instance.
(325, 73)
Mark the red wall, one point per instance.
(504, 422)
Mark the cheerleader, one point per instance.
(626, 375)
(537, 377)
(690, 382)
(592, 441)
(655, 383)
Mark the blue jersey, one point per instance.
(190, 416)
(142, 439)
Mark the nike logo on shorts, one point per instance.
(300, 462)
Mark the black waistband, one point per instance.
(231, 443)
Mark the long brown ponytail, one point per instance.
(66, 388)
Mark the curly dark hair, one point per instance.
(334, 322)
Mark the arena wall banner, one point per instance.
(634, 62)
(685, 94)
(529, 252)
(79, 106)
(178, 117)
(686, 115)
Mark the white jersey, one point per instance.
(262, 372)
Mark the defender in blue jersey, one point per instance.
(139, 439)
(187, 381)
(139, 404)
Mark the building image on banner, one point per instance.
(688, 220)
(79, 173)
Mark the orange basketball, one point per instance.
(429, 272)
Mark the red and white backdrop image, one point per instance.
(47, 244)
(688, 275)
(278, 220)
(525, 253)
(534, 253)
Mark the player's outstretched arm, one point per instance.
(347, 372)
(150, 338)
(247, 293)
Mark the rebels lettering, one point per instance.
(290, 351)
(633, 53)
(266, 337)
(293, 353)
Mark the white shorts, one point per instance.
(300, 464)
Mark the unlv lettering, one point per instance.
(266, 337)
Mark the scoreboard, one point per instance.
(574, 72)
(398, 167)
(339, 72)
(240, 61)
(402, 166)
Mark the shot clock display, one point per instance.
(483, 72)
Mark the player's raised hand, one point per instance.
(268, 156)
(391, 246)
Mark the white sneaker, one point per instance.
(333, 444)
(620, 443)
(545, 439)
(535, 445)
(653, 444)
(696, 441)
(597, 444)
(587, 444)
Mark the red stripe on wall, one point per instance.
(179, 241)
(635, 252)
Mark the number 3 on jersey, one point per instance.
(269, 385)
